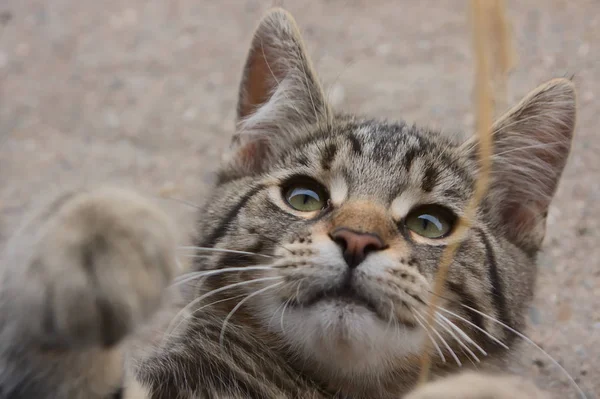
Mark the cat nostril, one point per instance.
(371, 248)
(340, 241)
(355, 245)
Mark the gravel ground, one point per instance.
(141, 93)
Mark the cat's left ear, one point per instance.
(280, 96)
(532, 142)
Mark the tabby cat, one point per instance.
(315, 259)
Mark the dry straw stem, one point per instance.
(484, 18)
(502, 51)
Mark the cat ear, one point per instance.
(532, 142)
(280, 96)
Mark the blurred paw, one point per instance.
(472, 385)
(99, 265)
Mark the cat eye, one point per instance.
(305, 196)
(430, 221)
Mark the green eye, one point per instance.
(430, 221)
(306, 197)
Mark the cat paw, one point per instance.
(96, 266)
(472, 385)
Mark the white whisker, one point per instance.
(195, 256)
(444, 342)
(205, 306)
(209, 293)
(272, 241)
(391, 318)
(274, 313)
(282, 313)
(178, 200)
(240, 303)
(298, 288)
(464, 335)
(231, 251)
(529, 341)
(194, 275)
(457, 339)
(433, 341)
(490, 336)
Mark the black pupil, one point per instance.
(427, 220)
(306, 194)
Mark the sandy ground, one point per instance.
(141, 93)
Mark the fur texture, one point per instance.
(286, 316)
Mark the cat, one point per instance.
(315, 261)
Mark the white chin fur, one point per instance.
(336, 337)
(346, 339)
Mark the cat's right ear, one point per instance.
(280, 97)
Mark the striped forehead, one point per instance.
(382, 160)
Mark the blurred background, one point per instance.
(142, 93)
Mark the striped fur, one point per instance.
(291, 333)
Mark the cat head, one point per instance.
(349, 217)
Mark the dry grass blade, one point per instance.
(484, 112)
(506, 57)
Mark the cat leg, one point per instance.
(473, 385)
(77, 279)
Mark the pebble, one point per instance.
(130, 17)
(117, 84)
(190, 114)
(125, 19)
(424, 45)
(3, 60)
(5, 17)
(112, 119)
(336, 95)
(30, 145)
(383, 49)
(168, 189)
(23, 49)
(184, 41)
(565, 312)
(549, 61)
(583, 50)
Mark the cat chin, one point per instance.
(346, 339)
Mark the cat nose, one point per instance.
(356, 245)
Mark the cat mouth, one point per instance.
(346, 294)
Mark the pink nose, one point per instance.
(355, 245)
